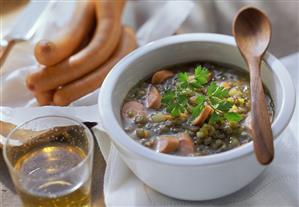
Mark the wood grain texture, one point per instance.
(260, 122)
(252, 31)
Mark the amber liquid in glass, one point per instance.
(50, 161)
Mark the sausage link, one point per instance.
(51, 51)
(72, 91)
(44, 98)
(101, 47)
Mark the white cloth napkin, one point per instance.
(277, 186)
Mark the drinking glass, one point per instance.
(50, 162)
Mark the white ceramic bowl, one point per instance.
(190, 178)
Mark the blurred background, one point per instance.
(199, 16)
(205, 16)
(217, 16)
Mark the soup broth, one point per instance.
(192, 109)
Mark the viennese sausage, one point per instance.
(92, 81)
(102, 45)
(44, 98)
(51, 51)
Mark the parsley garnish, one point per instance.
(231, 116)
(201, 75)
(183, 80)
(217, 91)
(200, 100)
(176, 101)
(216, 97)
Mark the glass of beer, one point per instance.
(50, 162)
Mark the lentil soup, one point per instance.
(192, 109)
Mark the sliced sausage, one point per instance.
(167, 144)
(153, 98)
(131, 109)
(186, 146)
(200, 119)
(161, 76)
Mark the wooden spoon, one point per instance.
(252, 31)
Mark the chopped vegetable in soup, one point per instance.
(192, 109)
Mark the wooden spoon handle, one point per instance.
(262, 133)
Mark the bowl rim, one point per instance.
(121, 139)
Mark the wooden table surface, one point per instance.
(9, 10)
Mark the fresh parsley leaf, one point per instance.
(195, 84)
(214, 118)
(173, 109)
(196, 111)
(201, 75)
(231, 116)
(217, 91)
(175, 102)
(220, 92)
(212, 88)
(183, 79)
(216, 97)
(168, 97)
(214, 101)
(224, 106)
(176, 110)
(182, 99)
(200, 100)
